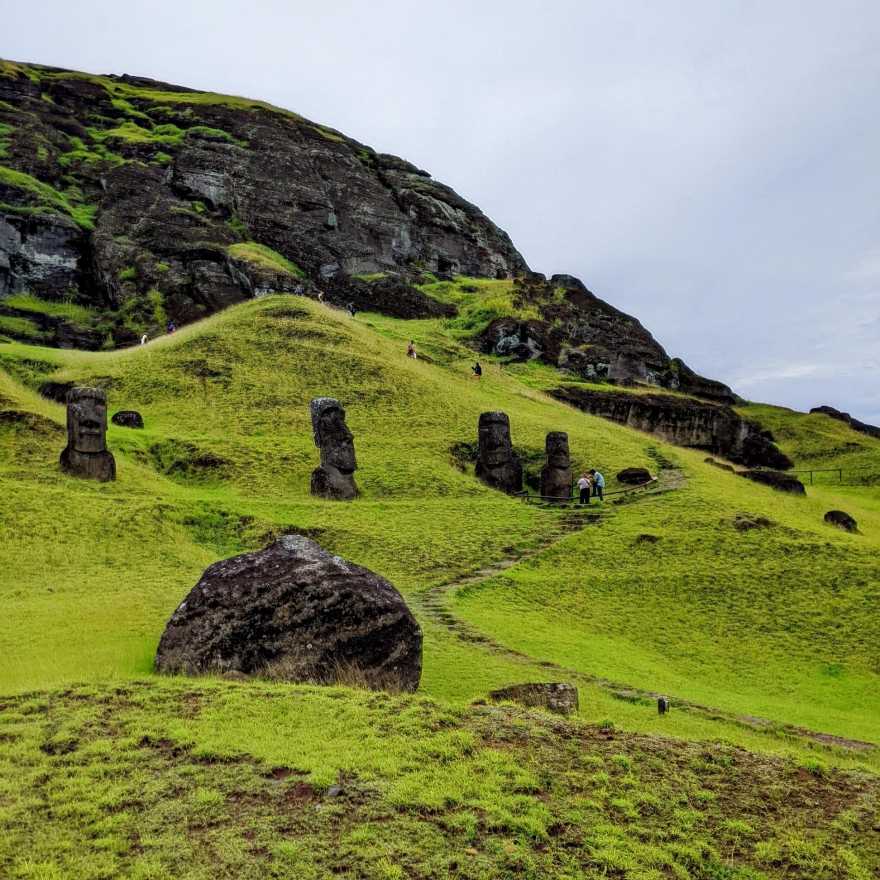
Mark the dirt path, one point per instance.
(434, 602)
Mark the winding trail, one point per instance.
(434, 602)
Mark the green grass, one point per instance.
(21, 327)
(203, 779)
(264, 258)
(50, 198)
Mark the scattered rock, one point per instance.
(128, 418)
(647, 538)
(776, 480)
(334, 478)
(842, 520)
(633, 476)
(559, 697)
(556, 474)
(86, 452)
(743, 522)
(296, 613)
(497, 463)
(56, 391)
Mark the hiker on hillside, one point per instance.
(351, 309)
(584, 485)
(411, 350)
(320, 296)
(144, 339)
(171, 326)
(477, 370)
(598, 483)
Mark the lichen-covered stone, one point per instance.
(128, 418)
(559, 697)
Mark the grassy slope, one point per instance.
(225, 461)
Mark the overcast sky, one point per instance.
(711, 167)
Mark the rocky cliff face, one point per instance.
(683, 421)
(149, 201)
(589, 338)
(847, 419)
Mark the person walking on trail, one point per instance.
(411, 350)
(171, 326)
(144, 339)
(351, 309)
(477, 370)
(584, 485)
(320, 296)
(598, 484)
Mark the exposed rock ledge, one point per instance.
(683, 421)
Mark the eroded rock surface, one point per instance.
(128, 418)
(587, 336)
(295, 612)
(683, 421)
(633, 476)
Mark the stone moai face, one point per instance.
(494, 439)
(557, 450)
(332, 435)
(87, 420)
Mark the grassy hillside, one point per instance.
(712, 589)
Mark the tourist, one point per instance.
(598, 483)
(320, 296)
(351, 309)
(144, 339)
(584, 485)
(477, 370)
(411, 350)
(171, 326)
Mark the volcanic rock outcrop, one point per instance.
(334, 477)
(294, 612)
(86, 452)
(846, 418)
(559, 697)
(683, 421)
(497, 463)
(633, 476)
(584, 335)
(143, 191)
(556, 474)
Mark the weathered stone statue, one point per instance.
(335, 476)
(86, 453)
(556, 474)
(497, 464)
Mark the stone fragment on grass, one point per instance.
(559, 697)
(295, 612)
(776, 480)
(633, 476)
(842, 520)
(128, 418)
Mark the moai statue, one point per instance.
(86, 453)
(335, 476)
(497, 463)
(556, 474)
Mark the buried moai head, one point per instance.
(87, 419)
(556, 474)
(497, 463)
(86, 453)
(335, 477)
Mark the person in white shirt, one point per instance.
(584, 485)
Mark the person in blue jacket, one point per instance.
(598, 484)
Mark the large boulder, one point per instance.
(842, 520)
(128, 418)
(776, 480)
(295, 612)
